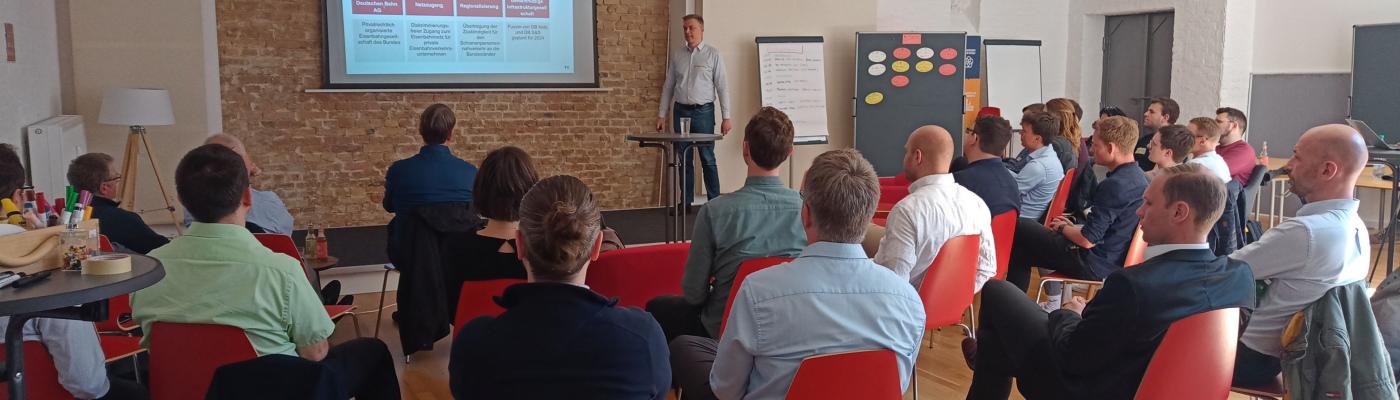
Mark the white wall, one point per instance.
(29, 88)
(731, 25)
(1313, 36)
(173, 47)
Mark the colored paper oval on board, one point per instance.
(874, 98)
(899, 81)
(876, 56)
(876, 69)
(924, 66)
(924, 53)
(948, 53)
(947, 69)
(900, 66)
(901, 53)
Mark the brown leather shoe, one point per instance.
(969, 350)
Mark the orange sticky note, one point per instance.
(912, 38)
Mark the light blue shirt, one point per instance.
(268, 211)
(831, 299)
(1038, 180)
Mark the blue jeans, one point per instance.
(702, 120)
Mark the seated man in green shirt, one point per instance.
(218, 273)
(763, 218)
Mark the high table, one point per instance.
(65, 295)
(676, 214)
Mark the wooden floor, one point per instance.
(942, 374)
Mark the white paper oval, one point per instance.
(924, 53)
(876, 69)
(877, 56)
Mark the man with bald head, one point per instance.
(269, 214)
(937, 209)
(1324, 246)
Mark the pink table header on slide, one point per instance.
(377, 7)
(527, 8)
(440, 8)
(479, 8)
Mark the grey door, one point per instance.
(1137, 61)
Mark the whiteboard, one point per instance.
(793, 79)
(1013, 79)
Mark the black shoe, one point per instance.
(346, 300)
(330, 292)
(969, 350)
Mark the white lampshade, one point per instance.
(131, 106)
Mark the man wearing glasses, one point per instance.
(93, 172)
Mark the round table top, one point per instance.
(70, 288)
(673, 137)
(322, 264)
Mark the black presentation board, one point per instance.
(1375, 85)
(905, 80)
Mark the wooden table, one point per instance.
(320, 264)
(56, 296)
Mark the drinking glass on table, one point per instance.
(685, 126)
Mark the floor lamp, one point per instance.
(137, 109)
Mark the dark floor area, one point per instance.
(364, 245)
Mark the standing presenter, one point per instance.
(694, 78)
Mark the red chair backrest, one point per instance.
(116, 306)
(104, 244)
(889, 195)
(184, 357)
(1196, 360)
(868, 374)
(745, 268)
(897, 180)
(478, 299)
(284, 244)
(1003, 230)
(40, 375)
(947, 286)
(1136, 249)
(635, 275)
(1057, 203)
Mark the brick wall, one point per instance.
(326, 153)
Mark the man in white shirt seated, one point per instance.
(1324, 246)
(937, 209)
(1207, 132)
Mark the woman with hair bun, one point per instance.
(557, 338)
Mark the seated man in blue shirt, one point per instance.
(269, 213)
(1100, 349)
(1099, 246)
(93, 172)
(434, 175)
(761, 219)
(985, 174)
(1040, 176)
(831, 299)
(557, 339)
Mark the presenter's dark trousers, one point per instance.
(1038, 246)
(702, 120)
(1013, 342)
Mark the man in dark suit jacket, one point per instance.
(93, 172)
(1100, 349)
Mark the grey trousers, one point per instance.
(691, 360)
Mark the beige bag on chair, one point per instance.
(36, 250)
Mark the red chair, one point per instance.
(477, 299)
(635, 275)
(867, 374)
(40, 375)
(1196, 360)
(284, 244)
(948, 284)
(745, 268)
(897, 180)
(1136, 249)
(184, 357)
(1057, 203)
(1003, 230)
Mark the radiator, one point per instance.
(50, 145)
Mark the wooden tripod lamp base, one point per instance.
(135, 141)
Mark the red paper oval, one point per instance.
(901, 53)
(899, 81)
(947, 69)
(948, 53)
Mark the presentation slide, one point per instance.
(460, 43)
